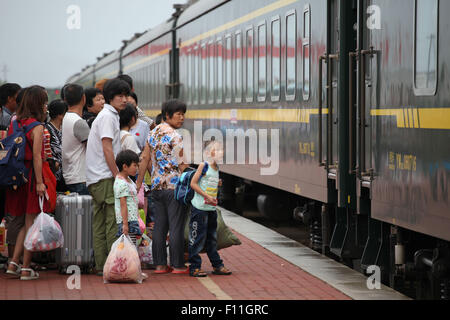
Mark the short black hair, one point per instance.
(62, 91)
(127, 79)
(20, 95)
(8, 90)
(56, 108)
(91, 93)
(126, 157)
(127, 114)
(158, 119)
(115, 87)
(73, 94)
(134, 96)
(172, 106)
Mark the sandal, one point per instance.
(198, 273)
(222, 271)
(15, 273)
(33, 274)
(166, 270)
(185, 271)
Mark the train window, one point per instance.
(238, 67)
(145, 88)
(195, 87)
(149, 86)
(192, 75)
(291, 54)
(188, 77)
(153, 85)
(276, 55)
(262, 65)
(204, 74)
(426, 47)
(249, 64)
(157, 80)
(306, 52)
(211, 55)
(162, 87)
(228, 62)
(219, 73)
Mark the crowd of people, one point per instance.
(99, 142)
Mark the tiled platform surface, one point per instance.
(258, 274)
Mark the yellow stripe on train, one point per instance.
(263, 115)
(418, 118)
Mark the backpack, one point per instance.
(183, 191)
(13, 172)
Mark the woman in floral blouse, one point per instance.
(165, 150)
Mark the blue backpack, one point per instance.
(13, 172)
(183, 191)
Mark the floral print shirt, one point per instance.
(166, 149)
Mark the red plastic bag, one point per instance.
(122, 264)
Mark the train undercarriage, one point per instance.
(412, 263)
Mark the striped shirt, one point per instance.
(143, 116)
(55, 144)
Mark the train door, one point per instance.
(364, 95)
(342, 40)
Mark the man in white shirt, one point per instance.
(75, 132)
(102, 149)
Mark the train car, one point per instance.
(403, 163)
(247, 67)
(86, 77)
(147, 61)
(107, 67)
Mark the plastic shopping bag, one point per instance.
(145, 250)
(122, 264)
(141, 197)
(45, 234)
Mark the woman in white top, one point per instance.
(128, 118)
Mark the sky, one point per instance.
(44, 42)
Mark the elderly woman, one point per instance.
(56, 109)
(94, 104)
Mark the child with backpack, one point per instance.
(203, 223)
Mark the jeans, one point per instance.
(203, 231)
(79, 188)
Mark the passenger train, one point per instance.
(359, 93)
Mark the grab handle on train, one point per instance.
(351, 58)
(362, 113)
(321, 60)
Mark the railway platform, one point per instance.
(266, 266)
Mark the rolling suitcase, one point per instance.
(74, 214)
